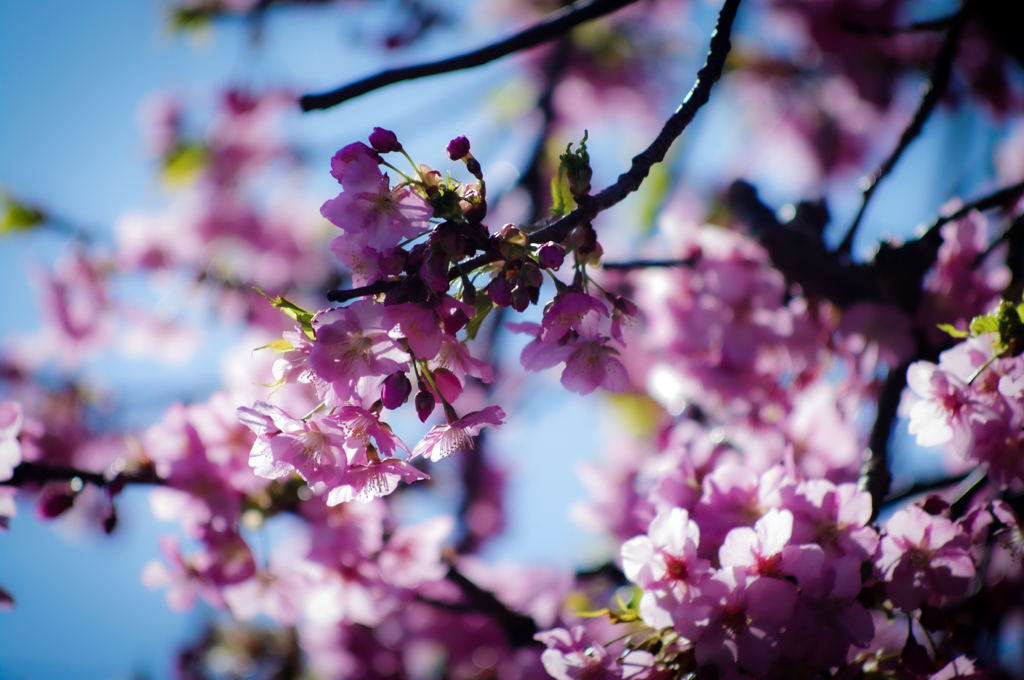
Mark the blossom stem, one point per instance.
(406, 177)
(623, 637)
(982, 368)
(316, 410)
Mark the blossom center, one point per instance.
(676, 568)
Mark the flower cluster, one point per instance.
(365, 358)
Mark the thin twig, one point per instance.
(996, 199)
(1014, 227)
(922, 487)
(938, 81)
(966, 490)
(340, 295)
(644, 264)
(553, 26)
(939, 24)
(628, 182)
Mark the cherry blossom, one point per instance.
(444, 440)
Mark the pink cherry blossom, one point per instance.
(375, 478)
(947, 410)
(924, 559)
(353, 350)
(413, 553)
(313, 448)
(827, 619)
(736, 618)
(590, 365)
(572, 311)
(444, 440)
(368, 206)
(573, 655)
(664, 562)
(10, 449)
(759, 550)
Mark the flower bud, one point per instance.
(396, 390)
(458, 148)
(424, 403)
(499, 290)
(384, 141)
(55, 501)
(551, 255)
(456, 322)
(521, 298)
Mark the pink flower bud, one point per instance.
(499, 290)
(55, 502)
(456, 322)
(458, 148)
(551, 255)
(396, 391)
(424, 403)
(384, 141)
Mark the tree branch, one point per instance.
(628, 182)
(553, 26)
(37, 473)
(922, 487)
(518, 628)
(643, 264)
(939, 24)
(938, 82)
(876, 477)
(996, 199)
(341, 295)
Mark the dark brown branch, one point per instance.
(939, 24)
(518, 628)
(876, 477)
(643, 264)
(996, 199)
(553, 26)
(800, 255)
(340, 295)
(628, 182)
(37, 473)
(1010, 232)
(923, 487)
(938, 81)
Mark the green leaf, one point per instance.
(301, 316)
(561, 196)
(188, 19)
(594, 614)
(17, 216)
(576, 165)
(954, 331)
(183, 162)
(445, 203)
(483, 307)
(981, 325)
(278, 346)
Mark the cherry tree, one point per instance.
(768, 351)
